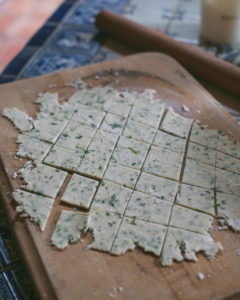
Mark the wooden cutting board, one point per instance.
(75, 273)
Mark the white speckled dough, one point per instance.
(19, 118)
(80, 191)
(48, 129)
(182, 244)
(163, 162)
(200, 134)
(202, 154)
(196, 198)
(226, 162)
(130, 152)
(68, 228)
(162, 188)
(89, 116)
(171, 142)
(148, 208)
(191, 220)
(227, 182)
(32, 148)
(230, 147)
(76, 136)
(139, 131)
(111, 197)
(98, 154)
(37, 207)
(176, 124)
(121, 175)
(134, 232)
(198, 174)
(147, 114)
(228, 207)
(66, 159)
(104, 226)
(44, 180)
(113, 123)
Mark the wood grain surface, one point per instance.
(75, 273)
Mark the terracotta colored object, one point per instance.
(75, 273)
(200, 63)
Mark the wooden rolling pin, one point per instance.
(197, 61)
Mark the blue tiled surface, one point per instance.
(50, 61)
(40, 37)
(69, 38)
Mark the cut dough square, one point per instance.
(198, 174)
(148, 208)
(76, 136)
(226, 162)
(134, 232)
(113, 123)
(88, 116)
(202, 154)
(68, 228)
(64, 158)
(104, 226)
(129, 152)
(163, 162)
(189, 219)
(230, 147)
(228, 207)
(118, 105)
(48, 129)
(196, 198)
(176, 124)
(44, 180)
(171, 142)
(111, 197)
(98, 154)
(37, 207)
(200, 134)
(150, 115)
(227, 182)
(162, 188)
(80, 191)
(32, 148)
(180, 244)
(139, 132)
(121, 175)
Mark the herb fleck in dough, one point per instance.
(126, 172)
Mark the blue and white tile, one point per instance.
(49, 61)
(190, 9)
(84, 14)
(105, 54)
(71, 38)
